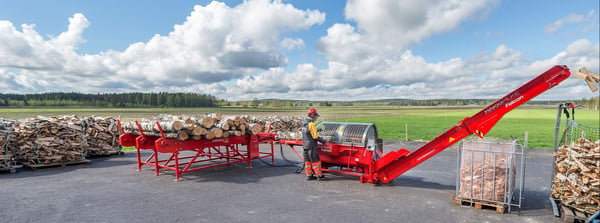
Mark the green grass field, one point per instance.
(424, 123)
(539, 123)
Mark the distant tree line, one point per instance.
(441, 102)
(591, 103)
(164, 99)
(161, 99)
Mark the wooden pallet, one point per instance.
(119, 153)
(8, 170)
(500, 208)
(56, 165)
(570, 215)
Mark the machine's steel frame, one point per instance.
(186, 156)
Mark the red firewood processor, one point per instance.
(355, 148)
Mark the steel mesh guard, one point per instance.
(354, 133)
(329, 129)
(348, 133)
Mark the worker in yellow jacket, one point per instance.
(310, 137)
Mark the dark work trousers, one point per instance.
(312, 162)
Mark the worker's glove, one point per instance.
(321, 140)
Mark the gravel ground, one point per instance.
(111, 190)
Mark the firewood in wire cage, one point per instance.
(577, 180)
(487, 170)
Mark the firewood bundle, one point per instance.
(102, 136)
(577, 179)
(7, 139)
(207, 126)
(487, 180)
(487, 169)
(42, 141)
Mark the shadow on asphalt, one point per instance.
(535, 200)
(97, 162)
(412, 181)
(238, 173)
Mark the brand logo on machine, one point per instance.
(514, 101)
(326, 148)
(506, 101)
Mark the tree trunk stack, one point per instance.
(213, 125)
(577, 180)
(207, 126)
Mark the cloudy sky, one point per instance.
(304, 49)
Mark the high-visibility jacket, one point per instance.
(309, 134)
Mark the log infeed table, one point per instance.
(193, 155)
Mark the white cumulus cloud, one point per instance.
(216, 43)
(241, 52)
(571, 18)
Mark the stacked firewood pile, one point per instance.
(286, 127)
(577, 179)
(7, 137)
(42, 141)
(61, 139)
(210, 126)
(102, 135)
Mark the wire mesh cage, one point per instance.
(576, 177)
(491, 171)
(575, 131)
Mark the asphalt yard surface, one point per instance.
(111, 190)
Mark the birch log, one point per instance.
(255, 128)
(217, 132)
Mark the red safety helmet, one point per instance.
(312, 112)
